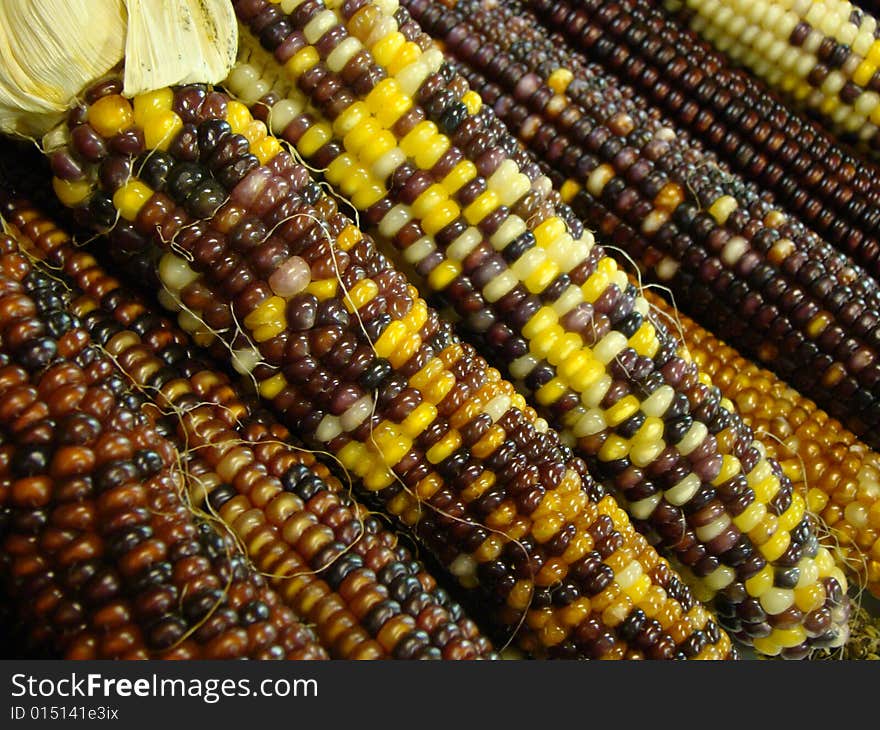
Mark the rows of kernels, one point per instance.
(837, 474)
(542, 545)
(821, 56)
(832, 190)
(712, 521)
(741, 236)
(704, 531)
(105, 480)
(175, 377)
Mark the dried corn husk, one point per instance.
(52, 49)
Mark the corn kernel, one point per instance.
(266, 149)
(301, 62)
(111, 115)
(472, 101)
(461, 174)
(71, 192)
(150, 102)
(387, 48)
(444, 448)
(440, 216)
(443, 275)
(314, 138)
(361, 294)
(271, 387)
(323, 288)
(349, 237)
(130, 198)
(481, 207)
(422, 416)
(161, 129)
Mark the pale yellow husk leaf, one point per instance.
(51, 50)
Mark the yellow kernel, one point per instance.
(71, 192)
(595, 285)
(110, 115)
(434, 195)
(481, 207)
(254, 132)
(546, 340)
(266, 149)
(730, 467)
(520, 595)
(491, 440)
(420, 135)
(546, 527)
(430, 153)
(314, 139)
(390, 339)
(479, 486)
(444, 448)
(644, 341)
(349, 238)
(418, 420)
(266, 311)
(130, 198)
(760, 581)
(361, 294)
(382, 143)
(409, 53)
(378, 478)
(271, 387)
(550, 392)
(301, 62)
(353, 455)
(559, 80)
(443, 275)
(350, 118)
(541, 277)
(472, 101)
(238, 116)
(340, 169)
(387, 48)
(367, 194)
(588, 375)
(773, 549)
(639, 588)
(440, 216)
(863, 73)
(614, 448)
(810, 597)
(161, 129)
(460, 175)
(394, 449)
(542, 319)
(428, 487)
(268, 331)
(623, 409)
(568, 190)
(439, 388)
(405, 351)
(323, 288)
(431, 370)
(150, 102)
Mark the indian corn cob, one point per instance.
(832, 190)
(360, 366)
(623, 166)
(105, 559)
(822, 56)
(839, 474)
(330, 560)
(408, 221)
